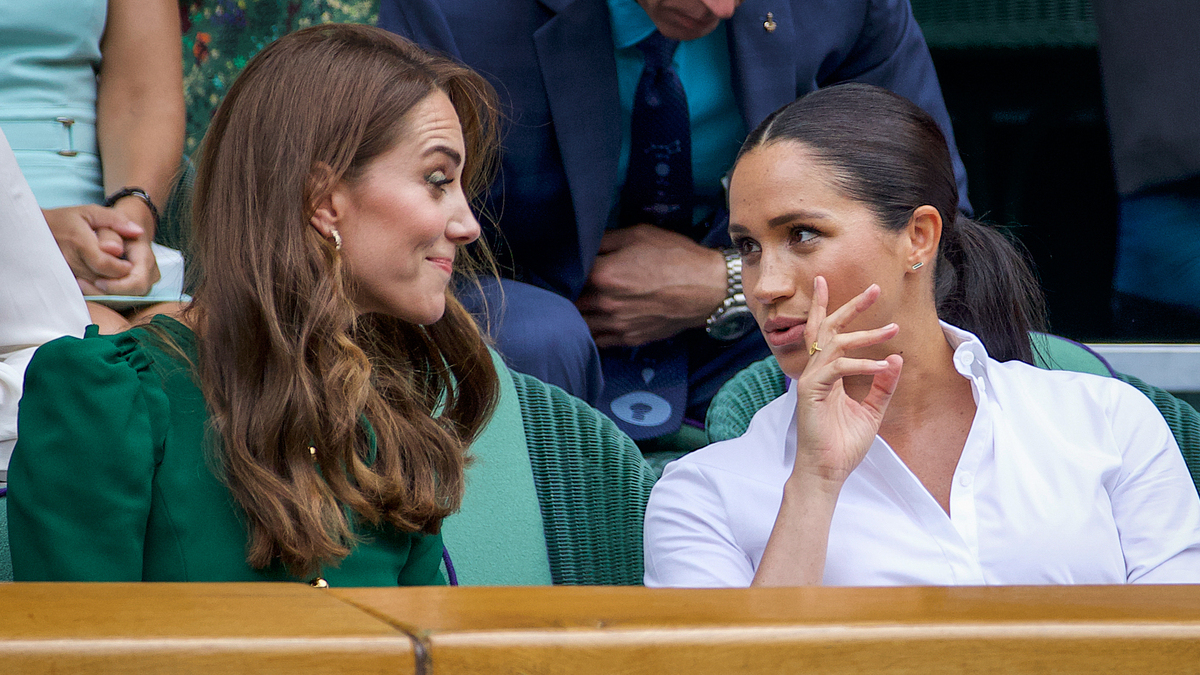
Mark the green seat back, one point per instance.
(738, 399)
(6, 571)
(497, 537)
(1052, 352)
(760, 383)
(1181, 417)
(556, 494)
(592, 485)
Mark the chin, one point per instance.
(421, 315)
(791, 361)
(431, 316)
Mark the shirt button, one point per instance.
(966, 358)
(964, 480)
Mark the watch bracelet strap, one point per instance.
(134, 191)
(734, 293)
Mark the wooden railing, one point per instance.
(269, 628)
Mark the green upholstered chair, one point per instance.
(555, 495)
(761, 382)
(592, 485)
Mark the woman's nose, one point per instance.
(463, 230)
(772, 281)
(463, 227)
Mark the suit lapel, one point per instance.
(764, 62)
(579, 72)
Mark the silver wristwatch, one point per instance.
(732, 319)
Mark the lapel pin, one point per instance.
(769, 25)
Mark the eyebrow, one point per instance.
(784, 219)
(445, 150)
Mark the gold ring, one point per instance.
(813, 348)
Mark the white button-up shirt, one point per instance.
(1065, 478)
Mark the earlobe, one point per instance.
(324, 221)
(924, 235)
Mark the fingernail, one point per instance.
(882, 364)
(101, 284)
(137, 227)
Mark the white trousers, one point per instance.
(39, 298)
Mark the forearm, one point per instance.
(795, 553)
(139, 108)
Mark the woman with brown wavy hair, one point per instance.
(309, 417)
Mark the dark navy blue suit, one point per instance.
(552, 63)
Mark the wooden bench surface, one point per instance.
(808, 630)
(291, 628)
(209, 628)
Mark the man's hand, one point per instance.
(649, 284)
(108, 252)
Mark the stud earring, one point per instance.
(915, 267)
(337, 240)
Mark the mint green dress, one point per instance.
(49, 56)
(111, 478)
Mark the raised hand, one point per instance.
(834, 431)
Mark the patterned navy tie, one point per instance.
(658, 185)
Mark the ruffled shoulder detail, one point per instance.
(126, 346)
(112, 371)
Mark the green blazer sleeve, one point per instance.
(81, 475)
(423, 567)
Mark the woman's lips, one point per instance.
(446, 264)
(783, 332)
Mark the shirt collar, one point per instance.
(630, 23)
(970, 360)
(970, 356)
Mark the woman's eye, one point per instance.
(745, 246)
(803, 235)
(439, 179)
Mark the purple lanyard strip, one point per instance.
(453, 577)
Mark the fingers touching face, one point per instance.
(792, 224)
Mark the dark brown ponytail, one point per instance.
(984, 285)
(889, 154)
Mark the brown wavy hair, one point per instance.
(285, 362)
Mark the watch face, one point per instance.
(733, 324)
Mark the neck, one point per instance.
(928, 379)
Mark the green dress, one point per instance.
(111, 479)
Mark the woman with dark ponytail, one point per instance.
(916, 444)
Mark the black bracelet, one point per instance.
(133, 191)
